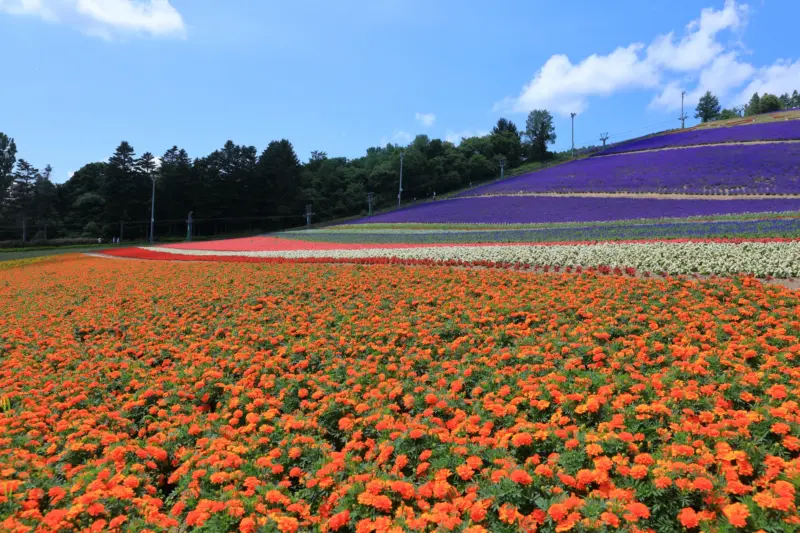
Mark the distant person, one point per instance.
(99, 240)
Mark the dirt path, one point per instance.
(658, 196)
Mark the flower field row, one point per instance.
(769, 131)
(222, 397)
(767, 227)
(534, 209)
(719, 170)
(767, 257)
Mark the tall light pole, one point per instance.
(683, 115)
(502, 166)
(573, 134)
(152, 206)
(400, 191)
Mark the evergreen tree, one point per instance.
(176, 187)
(22, 194)
(786, 101)
(795, 99)
(754, 106)
(123, 194)
(278, 179)
(8, 157)
(44, 201)
(506, 142)
(708, 107)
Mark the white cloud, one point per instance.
(455, 137)
(723, 75)
(781, 77)
(426, 119)
(699, 46)
(105, 18)
(70, 173)
(565, 87)
(398, 137)
(27, 7)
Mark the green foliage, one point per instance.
(540, 131)
(236, 189)
(8, 156)
(726, 114)
(770, 103)
(753, 107)
(708, 107)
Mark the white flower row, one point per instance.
(779, 259)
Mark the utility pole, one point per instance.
(573, 134)
(400, 192)
(502, 166)
(370, 196)
(604, 138)
(683, 115)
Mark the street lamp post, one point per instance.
(400, 191)
(502, 167)
(189, 226)
(152, 207)
(573, 134)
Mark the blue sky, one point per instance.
(82, 75)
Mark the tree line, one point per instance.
(236, 188)
(708, 108)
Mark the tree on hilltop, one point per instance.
(753, 107)
(708, 107)
(770, 103)
(540, 131)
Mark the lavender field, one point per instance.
(725, 170)
(770, 131)
(533, 209)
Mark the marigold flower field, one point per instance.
(210, 396)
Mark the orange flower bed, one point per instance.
(157, 396)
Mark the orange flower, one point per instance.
(339, 520)
(521, 477)
(737, 514)
(636, 511)
(688, 518)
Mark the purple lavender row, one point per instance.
(533, 209)
(718, 170)
(769, 131)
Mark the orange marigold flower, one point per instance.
(247, 525)
(737, 514)
(521, 477)
(688, 518)
(636, 511)
(339, 520)
(521, 439)
(609, 519)
(702, 484)
(558, 511)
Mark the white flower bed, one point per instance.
(779, 259)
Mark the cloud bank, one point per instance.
(105, 18)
